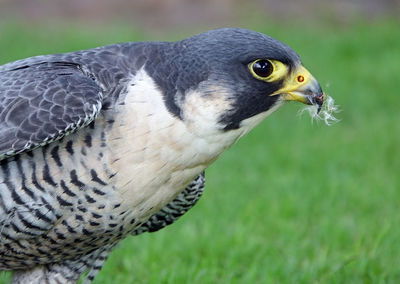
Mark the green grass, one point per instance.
(292, 202)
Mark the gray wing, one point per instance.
(42, 102)
(176, 208)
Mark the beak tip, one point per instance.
(316, 100)
(320, 101)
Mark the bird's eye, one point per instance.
(262, 68)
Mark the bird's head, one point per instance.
(230, 79)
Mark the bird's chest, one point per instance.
(156, 154)
(154, 157)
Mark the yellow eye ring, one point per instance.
(262, 68)
(267, 70)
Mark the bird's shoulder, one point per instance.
(44, 98)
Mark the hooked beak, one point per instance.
(304, 88)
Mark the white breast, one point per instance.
(157, 154)
(153, 152)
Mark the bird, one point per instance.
(100, 144)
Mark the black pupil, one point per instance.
(263, 68)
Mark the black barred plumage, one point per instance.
(99, 144)
(176, 208)
(45, 208)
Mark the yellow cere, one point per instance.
(295, 81)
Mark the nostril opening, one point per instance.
(300, 79)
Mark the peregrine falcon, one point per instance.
(99, 144)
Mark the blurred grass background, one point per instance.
(293, 201)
